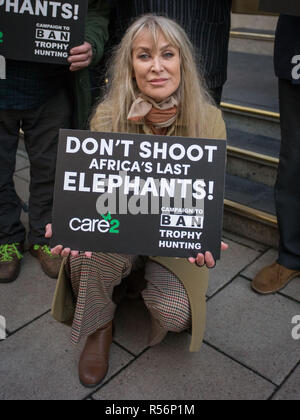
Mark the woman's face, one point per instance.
(156, 67)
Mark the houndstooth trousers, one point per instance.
(93, 282)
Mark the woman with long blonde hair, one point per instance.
(192, 92)
(154, 89)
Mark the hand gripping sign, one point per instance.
(138, 194)
(47, 30)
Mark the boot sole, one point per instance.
(93, 386)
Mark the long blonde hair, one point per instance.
(194, 98)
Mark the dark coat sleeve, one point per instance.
(97, 27)
(287, 47)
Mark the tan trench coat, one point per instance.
(194, 279)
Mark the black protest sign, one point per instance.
(139, 194)
(41, 31)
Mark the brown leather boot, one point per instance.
(273, 278)
(10, 262)
(50, 263)
(94, 360)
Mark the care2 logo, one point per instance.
(105, 225)
(114, 223)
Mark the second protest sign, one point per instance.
(41, 31)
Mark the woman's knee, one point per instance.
(175, 317)
(177, 324)
(167, 299)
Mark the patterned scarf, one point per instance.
(157, 116)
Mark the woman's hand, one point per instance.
(206, 259)
(60, 250)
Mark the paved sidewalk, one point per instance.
(248, 352)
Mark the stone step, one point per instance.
(251, 111)
(256, 23)
(255, 34)
(250, 96)
(253, 157)
(254, 42)
(252, 120)
(250, 210)
(249, 193)
(251, 82)
(254, 143)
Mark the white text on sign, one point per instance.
(49, 35)
(179, 221)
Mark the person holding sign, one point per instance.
(277, 276)
(155, 89)
(207, 22)
(40, 99)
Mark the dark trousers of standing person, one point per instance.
(287, 190)
(41, 128)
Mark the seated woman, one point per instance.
(155, 89)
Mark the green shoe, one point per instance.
(10, 262)
(50, 263)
